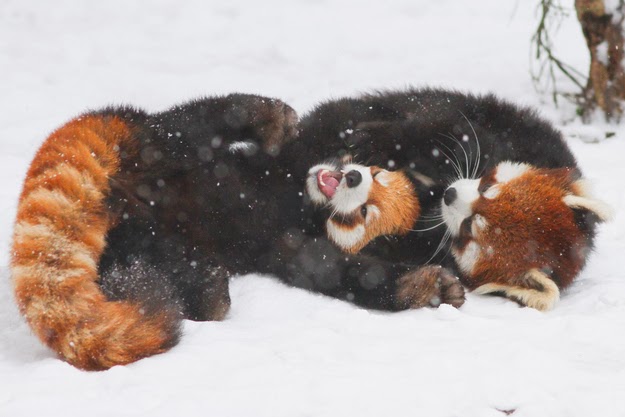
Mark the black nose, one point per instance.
(353, 178)
(450, 196)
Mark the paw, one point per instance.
(534, 289)
(274, 121)
(429, 286)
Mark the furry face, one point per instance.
(516, 230)
(364, 202)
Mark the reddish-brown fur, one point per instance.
(526, 244)
(59, 237)
(529, 226)
(396, 201)
(398, 205)
(429, 286)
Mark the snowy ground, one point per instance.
(282, 351)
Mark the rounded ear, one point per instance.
(583, 199)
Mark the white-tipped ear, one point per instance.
(383, 178)
(583, 188)
(508, 170)
(601, 209)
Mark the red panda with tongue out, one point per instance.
(518, 221)
(366, 202)
(328, 181)
(519, 231)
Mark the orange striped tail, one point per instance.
(59, 236)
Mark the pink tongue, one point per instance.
(328, 187)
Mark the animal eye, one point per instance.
(363, 210)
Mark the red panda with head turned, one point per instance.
(516, 231)
(130, 222)
(366, 202)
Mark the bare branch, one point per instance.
(549, 65)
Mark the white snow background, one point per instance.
(283, 351)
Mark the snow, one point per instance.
(615, 8)
(602, 52)
(283, 351)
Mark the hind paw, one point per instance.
(429, 286)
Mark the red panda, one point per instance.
(432, 137)
(370, 202)
(515, 231)
(129, 222)
(214, 187)
(59, 236)
(367, 202)
(103, 264)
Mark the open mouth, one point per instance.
(328, 181)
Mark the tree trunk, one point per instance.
(603, 29)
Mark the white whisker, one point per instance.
(334, 212)
(430, 218)
(452, 158)
(454, 161)
(429, 228)
(447, 252)
(477, 141)
(466, 157)
(450, 179)
(441, 245)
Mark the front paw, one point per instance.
(274, 121)
(429, 286)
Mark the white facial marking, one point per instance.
(479, 224)
(468, 258)
(460, 209)
(346, 199)
(345, 238)
(507, 171)
(312, 189)
(372, 212)
(492, 192)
